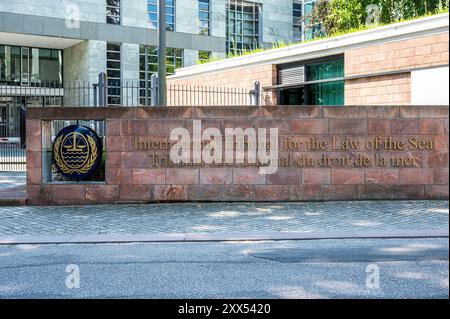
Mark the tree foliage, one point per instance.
(338, 16)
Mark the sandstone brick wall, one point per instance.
(394, 56)
(422, 52)
(379, 90)
(131, 177)
(240, 78)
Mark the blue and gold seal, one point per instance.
(77, 152)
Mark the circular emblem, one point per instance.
(76, 152)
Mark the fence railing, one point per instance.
(204, 95)
(125, 94)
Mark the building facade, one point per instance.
(400, 64)
(50, 43)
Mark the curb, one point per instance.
(215, 237)
(12, 202)
(13, 196)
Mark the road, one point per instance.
(363, 268)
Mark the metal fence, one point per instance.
(127, 94)
(12, 135)
(204, 95)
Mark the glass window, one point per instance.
(328, 93)
(325, 70)
(152, 9)
(204, 17)
(46, 66)
(174, 60)
(113, 71)
(297, 21)
(294, 96)
(10, 62)
(30, 66)
(329, 90)
(242, 26)
(113, 11)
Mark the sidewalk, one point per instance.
(12, 188)
(223, 221)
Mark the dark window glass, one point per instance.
(46, 66)
(297, 21)
(30, 66)
(325, 70)
(113, 46)
(113, 55)
(295, 96)
(113, 71)
(10, 62)
(329, 90)
(113, 11)
(330, 93)
(113, 3)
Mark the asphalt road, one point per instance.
(363, 268)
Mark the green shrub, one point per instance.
(339, 16)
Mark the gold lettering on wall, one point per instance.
(312, 151)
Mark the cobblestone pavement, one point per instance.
(225, 217)
(12, 188)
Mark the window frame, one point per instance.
(199, 10)
(147, 53)
(310, 85)
(32, 82)
(114, 87)
(153, 24)
(235, 21)
(119, 15)
(297, 20)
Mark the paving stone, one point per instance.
(197, 218)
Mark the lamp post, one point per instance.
(162, 85)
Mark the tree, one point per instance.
(337, 16)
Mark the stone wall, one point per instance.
(92, 11)
(407, 54)
(416, 168)
(379, 90)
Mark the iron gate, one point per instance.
(12, 134)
